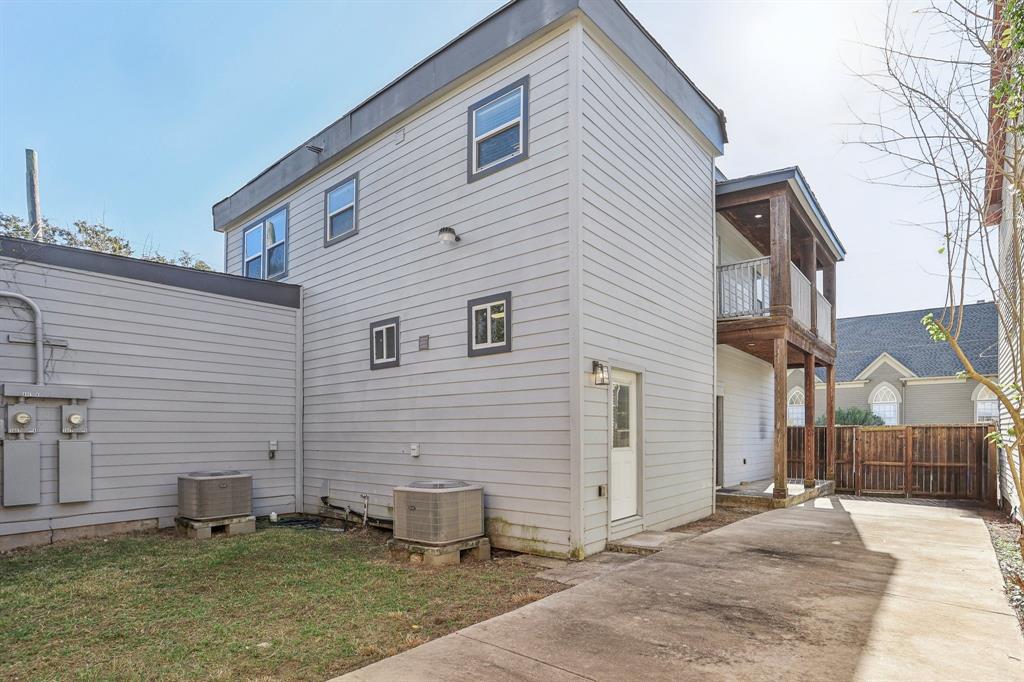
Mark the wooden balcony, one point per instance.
(772, 306)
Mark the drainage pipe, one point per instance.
(38, 314)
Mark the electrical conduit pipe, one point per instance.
(38, 314)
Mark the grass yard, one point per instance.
(284, 603)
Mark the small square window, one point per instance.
(498, 129)
(265, 247)
(340, 207)
(490, 324)
(384, 340)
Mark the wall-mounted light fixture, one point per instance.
(758, 216)
(448, 236)
(602, 376)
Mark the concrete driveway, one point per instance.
(836, 588)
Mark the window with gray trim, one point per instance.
(384, 351)
(340, 210)
(490, 324)
(265, 246)
(498, 129)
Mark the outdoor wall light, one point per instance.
(601, 374)
(758, 216)
(447, 236)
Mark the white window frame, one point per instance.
(328, 213)
(522, 120)
(382, 326)
(796, 394)
(264, 254)
(874, 401)
(982, 394)
(488, 303)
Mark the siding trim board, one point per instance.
(234, 286)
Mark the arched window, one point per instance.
(795, 408)
(986, 406)
(885, 402)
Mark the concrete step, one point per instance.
(649, 542)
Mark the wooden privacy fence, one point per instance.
(953, 461)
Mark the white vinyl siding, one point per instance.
(747, 386)
(647, 229)
(498, 420)
(181, 380)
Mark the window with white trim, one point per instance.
(795, 408)
(885, 403)
(340, 206)
(986, 405)
(265, 247)
(490, 324)
(498, 129)
(384, 343)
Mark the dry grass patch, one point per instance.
(280, 604)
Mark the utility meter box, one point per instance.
(21, 472)
(74, 419)
(74, 471)
(21, 418)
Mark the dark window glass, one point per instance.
(275, 260)
(342, 222)
(480, 325)
(620, 416)
(254, 268)
(497, 147)
(498, 323)
(389, 342)
(499, 112)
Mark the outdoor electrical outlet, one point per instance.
(414, 449)
(272, 450)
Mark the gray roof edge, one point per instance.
(234, 286)
(503, 29)
(788, 174)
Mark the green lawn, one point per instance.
(281, 604)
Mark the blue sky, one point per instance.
(145, 114)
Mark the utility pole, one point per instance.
(35, 221)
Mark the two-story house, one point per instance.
(520, 268)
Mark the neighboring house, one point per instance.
(519, 267)
(889, 365)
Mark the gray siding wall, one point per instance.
(647, 230)
(945, 403)
(1009, 345)
(181, 381)
(500, 420)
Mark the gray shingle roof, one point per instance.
(862, 339)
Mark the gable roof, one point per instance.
(504, 29)
(861, 340)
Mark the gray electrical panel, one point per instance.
(75, 470)
(21, 418)
(21, 472)
(74, 419)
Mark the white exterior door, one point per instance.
(623, 461)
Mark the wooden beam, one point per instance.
(749, 196)
(780, 488)
(778, 214)
(830, 422)
(810, 456)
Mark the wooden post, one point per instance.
(810, 456)
(830, 422)
(780, 361)
(908, 458)
(35, 222)
(781, 302)
(991, 469)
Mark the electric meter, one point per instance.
(75, 419)
(22, 418)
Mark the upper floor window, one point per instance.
(795, 408)
(986, 405)
(265, 247)
(340, 206)
(490, 324)
(384, 344)
(498, 129)
(885, 403)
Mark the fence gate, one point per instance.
(953, 461)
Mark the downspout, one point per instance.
(38, 314)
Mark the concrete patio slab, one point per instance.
(649, 541)
(577, 572)
(836, 588)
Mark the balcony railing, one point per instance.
(824, 319)
(743, 288)
(801, 288)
